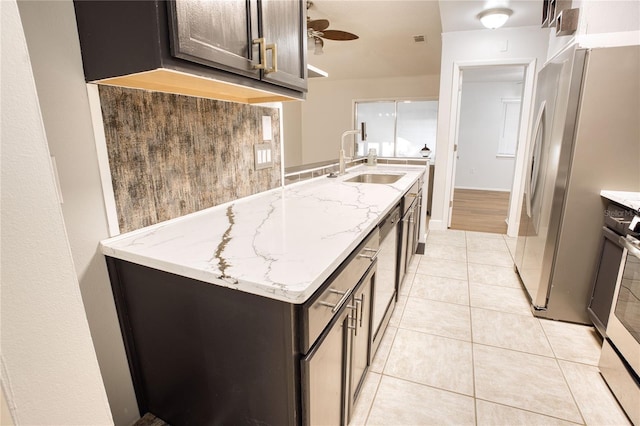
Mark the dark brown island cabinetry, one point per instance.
(203, 354)
(245, 51)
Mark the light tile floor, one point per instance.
(463, 348)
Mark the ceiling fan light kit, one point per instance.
(317, 31)
(494, 18)
(318, 44)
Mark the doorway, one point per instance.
(489, 117)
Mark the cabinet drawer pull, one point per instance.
(274, 59)
(372, 257)
(334, 308)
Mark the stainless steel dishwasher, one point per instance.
(384, 290)
(338, 329)
(411, 211)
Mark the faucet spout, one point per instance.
(342, 157)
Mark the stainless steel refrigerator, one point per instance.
(586, 138)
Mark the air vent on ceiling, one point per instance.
(419, 38)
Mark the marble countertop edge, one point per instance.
(281, 244)
(628, 199)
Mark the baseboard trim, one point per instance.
(437, 225)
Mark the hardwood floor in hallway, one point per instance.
(480, 211)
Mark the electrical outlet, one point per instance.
(263, 156)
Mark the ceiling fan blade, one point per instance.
(318, 24)
(338, 35)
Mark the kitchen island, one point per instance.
(217, 308)
(281, 244)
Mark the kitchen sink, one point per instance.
(375, 178)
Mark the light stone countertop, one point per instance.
(627, 199)
(281, 244)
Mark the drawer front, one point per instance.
(320, 310)
(411, 196)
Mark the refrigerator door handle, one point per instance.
(534, 140)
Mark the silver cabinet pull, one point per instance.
(360, 303)
(334, 308)
(373, 257)
(350, 325)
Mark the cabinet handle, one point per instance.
(350, 326)
(261, 42)
(372, 257)
(355, 320)
(360, 302)
(334, 308)
(263, 53)
(274, 58)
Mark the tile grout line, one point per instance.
(564, 377)
(473, 364)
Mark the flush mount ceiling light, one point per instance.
(494, 18)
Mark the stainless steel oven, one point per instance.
(620, 358)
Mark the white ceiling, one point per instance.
(386, 47)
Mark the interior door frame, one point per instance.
(515, 199)
(454, 158)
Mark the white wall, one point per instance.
(52, 38)
(328, 110)
(481, 119)
(50, 374)
(505, 45)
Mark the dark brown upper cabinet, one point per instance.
(244, 51)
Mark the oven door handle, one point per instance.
(628, 243)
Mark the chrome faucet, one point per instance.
(362, 132)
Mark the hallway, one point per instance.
(480, 211)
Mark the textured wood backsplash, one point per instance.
(171, 155)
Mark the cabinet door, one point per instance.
(324, 375)
(604, 284)
(362, 301)
(416, 222)
(216, 33)
(283, 24)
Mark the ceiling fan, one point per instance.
(317, 31)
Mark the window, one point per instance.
(398, 128)
(510, 124)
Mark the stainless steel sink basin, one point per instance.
(375, 178)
